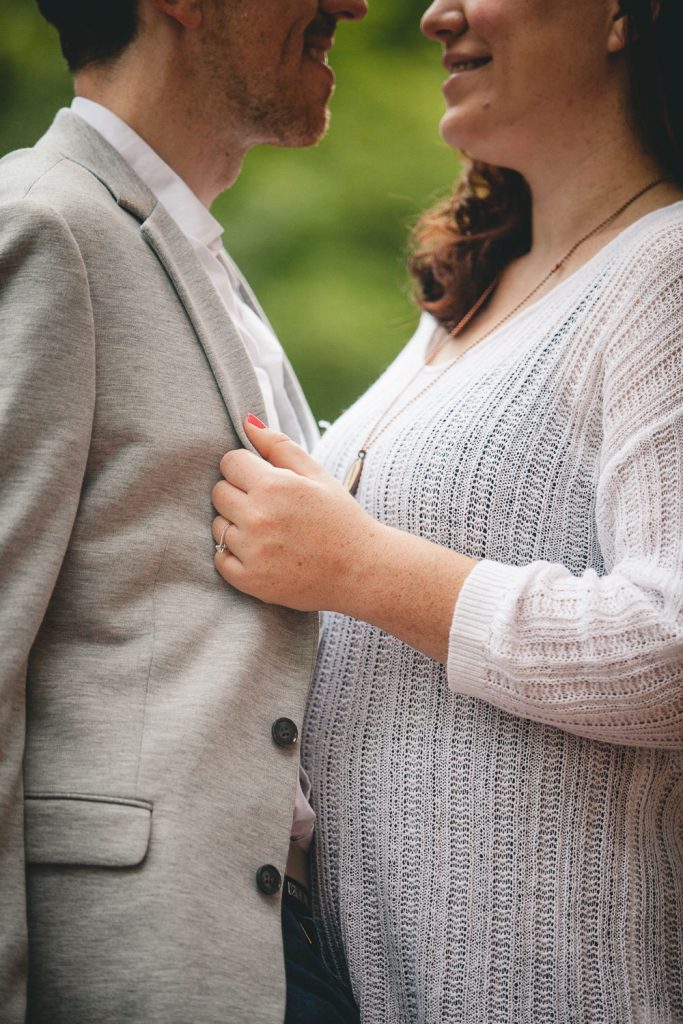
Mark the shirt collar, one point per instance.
(187, 210)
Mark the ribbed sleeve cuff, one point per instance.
(468, 646)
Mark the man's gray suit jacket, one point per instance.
(140, 786)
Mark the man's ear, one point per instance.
(187, 13)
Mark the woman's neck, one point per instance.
(571, 197)
(567, 207)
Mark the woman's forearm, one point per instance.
(405, 585)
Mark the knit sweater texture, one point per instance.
(500, 840)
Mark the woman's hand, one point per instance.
(293, 535)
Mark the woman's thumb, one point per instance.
(279, 450)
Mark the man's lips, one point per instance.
(317, 54)
(317, 48)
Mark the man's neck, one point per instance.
(206, 160)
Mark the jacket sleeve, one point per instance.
(47, 397)
(602, 656)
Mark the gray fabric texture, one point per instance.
(138, 689)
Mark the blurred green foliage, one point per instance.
(320, 233)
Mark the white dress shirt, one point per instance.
(205, 235)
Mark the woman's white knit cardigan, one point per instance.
(501, 841)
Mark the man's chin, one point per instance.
(308, 132)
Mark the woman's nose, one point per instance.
(443, 19)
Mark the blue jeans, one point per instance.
(314, 994)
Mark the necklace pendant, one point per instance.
(353, 474)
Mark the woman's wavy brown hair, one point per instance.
(461, 245)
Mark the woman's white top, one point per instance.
(501, 841)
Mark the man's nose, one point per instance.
(345, 10)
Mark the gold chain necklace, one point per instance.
(355, 470)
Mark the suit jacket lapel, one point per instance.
(223, 347)
(292, 387)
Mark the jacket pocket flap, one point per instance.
(86, 830)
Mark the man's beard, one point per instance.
(280, 124)
(308, 134)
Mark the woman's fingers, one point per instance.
(280, 451)
(243, 469)
(229, 544)
(229, 501)
(220, 529)
(226, 560)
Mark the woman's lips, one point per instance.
(460, 69)
(458, 66)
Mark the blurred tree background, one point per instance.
(320, 233)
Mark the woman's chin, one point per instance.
(479, 145)
(458, 132)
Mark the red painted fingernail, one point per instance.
(255, 421)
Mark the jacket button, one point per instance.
(285, 732)
(268, 879)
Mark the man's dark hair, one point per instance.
(91, 32)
